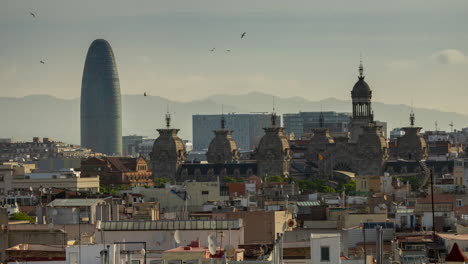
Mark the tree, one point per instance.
(348, 187)
(160, 181)
(274, 178)
(228, 179)
(22, 217)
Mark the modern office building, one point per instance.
(304, 122)
(101, 111)
(247, 129)
(130, 145)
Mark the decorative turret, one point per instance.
(273, 154)
(362, 109)
(223, 148)
(372, 150)
(316, 149)
(412, 145)
(168, 152)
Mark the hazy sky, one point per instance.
(412, 50)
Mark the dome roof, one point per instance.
(274, 145)
(319, 141)
(222, 148)
(412, 144)
(372, 141)
(168, 146)
(361, 89)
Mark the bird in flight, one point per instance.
(42, 62)
(243, 34)
(212, 49)
(32, 14)
(144, 94)
(228, 50)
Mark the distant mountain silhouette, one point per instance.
(48, 116)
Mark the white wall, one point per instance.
(332, 241)
(163, 239)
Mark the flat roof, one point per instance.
(454, 236)
(74, 202)
(172, 225)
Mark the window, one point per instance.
(205, 192)
(459, 202)
(325, 254)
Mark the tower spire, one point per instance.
(361, 67)
(412, 115)
(321, 117)
(273, 114)
(223, 121)
(168, 118)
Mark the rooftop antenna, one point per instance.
(168, 118)
(361, 68)
(273, 114)
(412, 115)
(223, 121)
(451, 126)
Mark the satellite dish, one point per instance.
(212, 248)
(54, 212)
(31, 188)
(212, 239)
(230, 250)
(291, 223)
(98, 224)
(285, 226)
(143, 251)
(177, 236)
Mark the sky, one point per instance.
(413, 51)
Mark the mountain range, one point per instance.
(46, 116)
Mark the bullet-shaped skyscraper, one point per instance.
(101, 110)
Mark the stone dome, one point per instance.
(318, 142)
(223, 148)
(372, 143)
(168, 146)
(274, 144)
(412, 145)
(273, 154)
(361, 89)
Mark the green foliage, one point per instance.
(160, 181)
(121, 188)
(315, 185)
(413, 181)
(22, 216)
(275, 178)
(349, 187)
(228, 179)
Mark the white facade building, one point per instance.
(325, 248)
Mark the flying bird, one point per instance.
(228, 50)
(212, 49)
(42, 62)
(32, 14)
(243, 34)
